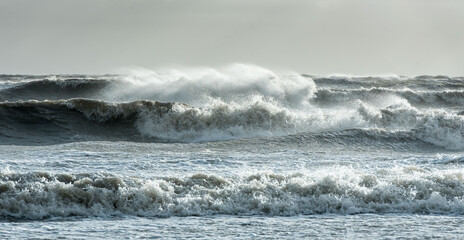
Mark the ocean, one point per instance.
(237, 152)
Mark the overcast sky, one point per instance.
(360, 37)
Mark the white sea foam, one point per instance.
(338, 190)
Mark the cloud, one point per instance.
(321, 36)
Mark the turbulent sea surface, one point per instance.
(239, 152)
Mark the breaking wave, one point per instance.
(179, 122)
(438, 127)
(408, 190)
(239, 101)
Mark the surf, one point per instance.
(41, 195)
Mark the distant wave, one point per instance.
(40, 195)
(417, 98)
(46, 89)
(396, 82)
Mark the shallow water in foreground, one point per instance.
(367, 226)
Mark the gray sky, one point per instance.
(406, 37)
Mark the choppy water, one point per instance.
(237, 152)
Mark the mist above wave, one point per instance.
(236, 83)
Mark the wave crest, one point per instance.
(437, 127)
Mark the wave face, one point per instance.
(413, 190)
(240, 101)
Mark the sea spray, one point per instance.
(236, 83)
